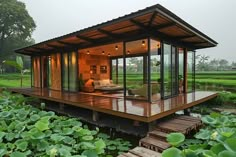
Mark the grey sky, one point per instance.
(215, 18)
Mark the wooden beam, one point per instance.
(164, 26)
(67, 44)
(112, 35)
(152, 19)
(85, 38)
(41, 49)
(53, 46)
(184, 37)
(152, 31)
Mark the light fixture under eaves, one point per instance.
(88, 53)
(116, 47)
(103, 52)
(109, 54)
(143, 43)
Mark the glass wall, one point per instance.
(136, 69)
(73, 71)
(174, 71)
(170, 72)
(167, 70)
(69, 71)
(65, 72)
(190, 71)
(181, 70)
(155, 59)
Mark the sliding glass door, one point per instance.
(170, 73)
(69, 71)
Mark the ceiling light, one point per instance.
(109, 54)
(103, 52)
(116, 47)
(143, 43)
(158, 45)
(88, 53)
(128, 52)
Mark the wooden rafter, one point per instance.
(85, 38)
(152, 19)
(112, 35)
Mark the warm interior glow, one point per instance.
(73, 58)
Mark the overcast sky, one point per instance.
(215, 18)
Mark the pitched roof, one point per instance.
(154, 21)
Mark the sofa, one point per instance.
(106, 84)
(102, 85)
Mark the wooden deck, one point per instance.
(131, 109)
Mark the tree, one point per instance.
(214, 64)
(202, 63)
(223, 64)
(16, 27)
(19, 65)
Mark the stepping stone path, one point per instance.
(155, 142)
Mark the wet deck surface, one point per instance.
(131, 109)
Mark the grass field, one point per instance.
(216, 80)
(13, 80)
(220, 80)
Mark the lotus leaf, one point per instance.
(230, 144)
(227, 132)
(175, 138)
(90, 153)
(208, 153)
(227, 153)
(203, 134)
(209, 120)
(217, 148)
(172, 152)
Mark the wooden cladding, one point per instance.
(55, 71)
(36, 72)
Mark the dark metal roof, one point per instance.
(155, 21)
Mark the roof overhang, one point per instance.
(155, 21)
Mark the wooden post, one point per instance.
(152, 126)
(61, 106)
(95, 116)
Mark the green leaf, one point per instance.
(209, 120)
(42, 124)
(21, 145)
(90, 153)
(13, 64)
(87, 138)
(36, 134)
(111, 147)
(34, 117)
(67, 131)
(208, 153)
(227, 153)
(42, 145)
(64, 152)
(100, 146)
(18, 154)
(172, 152)
(203, 134)
(2, 134)
(217, 148)
(230, 144)
(19, 61)
(175, 138)
(3, 152)
(57, 137)
(227, 132)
